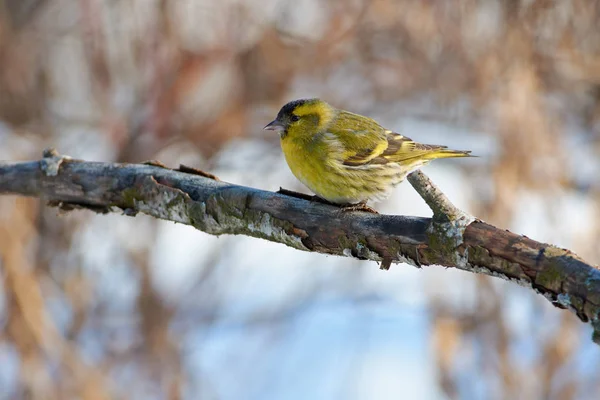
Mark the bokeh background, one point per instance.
(112, 307)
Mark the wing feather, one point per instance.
(362, 138)
(395, 148)
(363, 142)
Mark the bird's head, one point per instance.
(302, 119)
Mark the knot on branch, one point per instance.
(51, 162)
(446, 237)
(447, 227)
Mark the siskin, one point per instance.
(345, 158)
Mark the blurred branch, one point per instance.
(451, 238)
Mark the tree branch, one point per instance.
(451, 238)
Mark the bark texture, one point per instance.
(451, 238)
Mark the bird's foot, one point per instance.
(362, 206)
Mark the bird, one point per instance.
(347, 159)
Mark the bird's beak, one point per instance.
(275, 126)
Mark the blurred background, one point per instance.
(112, 307)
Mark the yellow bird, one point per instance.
(345, 158)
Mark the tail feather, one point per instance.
(442, 152)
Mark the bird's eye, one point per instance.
(294, 118)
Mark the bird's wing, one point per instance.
(363, 141)
(357, 139)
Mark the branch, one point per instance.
(451, 238)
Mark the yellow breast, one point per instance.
(304, 163)
(316, 165)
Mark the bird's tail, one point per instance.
(443, 152)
